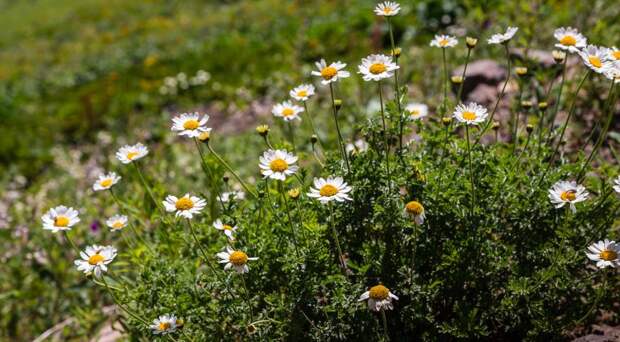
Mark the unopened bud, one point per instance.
(446, 121)
(396, 52)
(204, 137)
(314, 139)
(338, 104)
(471, 42)
(521, 71)
(225, 179)
(529, 128)
(558, 56)
(456, 79)
(526, 104)
(542, 105)
(262, 130)
(294, 193)
(495, 125)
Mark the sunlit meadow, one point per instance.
(446, 172)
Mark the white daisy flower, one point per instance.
(569, 39)
(190, 124)
(277, 164)
(302, 92)
(501, 38)
(231, 196)
(287, 111)
(444, 41)
(330, 189)
(360, 145)
(564, 192)
(613, 54)
(594, 57)
(95, 259)
(377, 67)
(415, 210)
(605, 253)
(379, 298)
(330, 73)
(131, 153)
(226, 228)
(612, 70)
(387, 9)
(164, 324)
(106, 181)
(416, 110)
(186, 206)
(470, 114)
(617, 184)
(116, 222)
(60, 218)
(235, 259)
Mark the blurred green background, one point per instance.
(77, 75)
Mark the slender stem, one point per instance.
(557, 104)
(311, 121)
(146, 186)
(130, 224)
(385, 139)
(124, 308)
(247, 298)
(599, 142)
(292, 135)
(396, 89)
(563, 130)
(316, 156)
(471, 171)
(515, 132)
(73, 245)
(385, 330)
(290, 220)
(501, 95)
(343, 150)
(336, 241)
(444, 108)
(460, 92)
(223, 162)
(527, 142)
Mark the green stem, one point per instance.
(290, 221)
(343, 265)
(599, 142)
(471, 171)
(247, 297)
(444, 108)
(223, 162)
(124, 308)
(396, 89)
(73, 245)
(460, 92)
(385, 330)
(557, 104)
(311, 121)
(385, 139)
(147, 187)
(501, 95)
(343, 150)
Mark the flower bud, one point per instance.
(262, 130)
(456, 79)
(526, 104)
(338, 103)
(471, 42)
(529, 128)
(542, 105)
(314, 139)
(204, 137)
(294, 193)
(495, 126)
(446, 121)
(225, 179)
(396, 52)
(521, 71)
(558, 56)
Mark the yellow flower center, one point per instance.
(414, 112)
(568, 40)
(184, 203)
(302, 93)
(595, 61)
(469, 116)
(414, 208)
(278, 165)
(286, 112)
(191, 124)
(106, 182)
(328, 190)
(608, 255)
(443, 42)
(238, 258)
(164, 326)
(131, 155)
(568, 196)
(118, 224)
(95, 259)
(329, 72)
(379, 292)
(61, 221)
(377, 68)
(616, 54)
(227, 227)
(387, 10)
